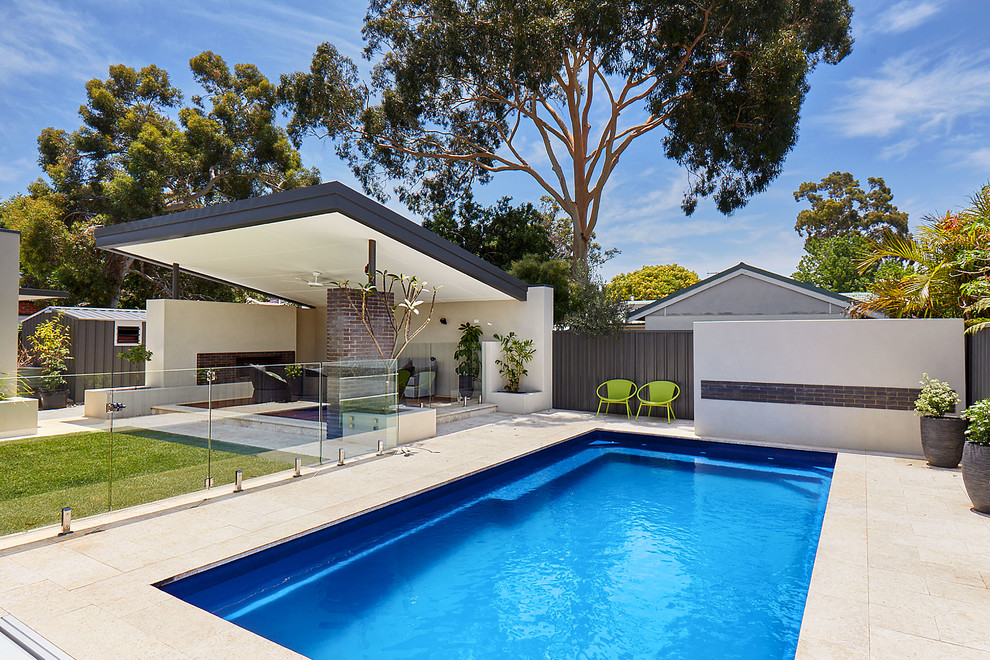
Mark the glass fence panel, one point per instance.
(364, 406)
(108, 441)
(270, 415)
(160, 445)
(54, 458)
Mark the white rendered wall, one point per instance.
(179, 329)
(861, 352)
(10, 260)
(529, 319)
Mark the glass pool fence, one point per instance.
(114, 440)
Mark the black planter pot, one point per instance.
(465, 385)
(976, 475)
(942, 440)
(53, 400)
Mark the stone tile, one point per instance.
(93, 633)
(887, 644)
(13, 575)
(65, 567)
(963, 623)
(819, 649)
(964, 593)
(912, 617)
(839, 621)
(882, 578)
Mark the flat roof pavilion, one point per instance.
(291, 244)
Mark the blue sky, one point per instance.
(911, 104)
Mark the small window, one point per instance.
(127, 335)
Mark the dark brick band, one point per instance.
(841, 396)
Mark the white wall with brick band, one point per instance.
(859, 352)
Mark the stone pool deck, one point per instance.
(902, 570)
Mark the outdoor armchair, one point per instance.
(421, 384)
(617, 390)
(658, 394)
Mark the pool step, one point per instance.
(453, 413)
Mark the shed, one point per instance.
(97, 336)
(742, 293)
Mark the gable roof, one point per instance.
(739, 269)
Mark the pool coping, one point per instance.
(91, 592)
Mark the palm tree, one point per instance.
(949, 266)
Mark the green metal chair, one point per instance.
(617, 390)
(659, 394)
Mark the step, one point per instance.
(453, 413)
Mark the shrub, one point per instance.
(52, 346)
(515, 354)
(978, 415)
(936, 398)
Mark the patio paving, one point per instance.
(902, 569)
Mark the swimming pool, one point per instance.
(607, 545)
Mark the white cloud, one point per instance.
(38, 37)
(907, 15)
(979, 158)
(899, 150)
(924, 95)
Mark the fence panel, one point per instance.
(978, 366)
(581, 363)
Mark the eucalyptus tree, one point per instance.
(141, 152)
(840, 206)
(462, 90)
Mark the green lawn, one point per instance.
(42, 475)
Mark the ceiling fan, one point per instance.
(314, 280)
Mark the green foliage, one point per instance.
(948, 267)
(458, 90)
(137, 354)
(839, 206)
(499, 234)
(832, 262)
(978, 416)
(130, 159)
(468, 353)
(51, 346)
(553, 272)
(516, 354)
(596, 310)
(936, 398)
(651, 282)
(293, 370)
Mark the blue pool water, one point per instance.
(608, 546)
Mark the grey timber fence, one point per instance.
(581, 363)
(977, 366)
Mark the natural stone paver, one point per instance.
(901, 570)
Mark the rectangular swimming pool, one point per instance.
(609, 545)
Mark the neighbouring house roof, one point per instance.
(741, 269)
(96, 313)
(273, 244)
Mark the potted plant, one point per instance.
(294, 376)
(976, 455)
(942, 436)
(51, 345)
(468, 356)
(516, 353)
